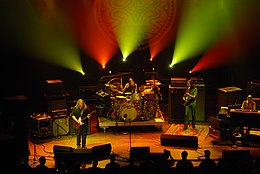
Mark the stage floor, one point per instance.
(122, 139)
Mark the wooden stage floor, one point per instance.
(122, 139)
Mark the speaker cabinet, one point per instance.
(175, 107)
(253, 88)
(200, 110)
(54, 88)
(233, 160)
(60, 126)
(14, 121)
(229, 96)
(66, 157)
(139, 153)
(179, 140)
(101, 152)
(157, 156)
(56, 104)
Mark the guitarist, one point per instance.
(190, 103)
(80, 115)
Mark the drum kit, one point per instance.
(140, 106)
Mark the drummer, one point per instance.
(130, 87)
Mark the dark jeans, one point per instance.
(82, 135)
(190, 111)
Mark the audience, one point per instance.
(184, 166)
(130, 168)
(42, 168)
(148, 165)
(165, 163)
(112, 167)
(94, 169)
(207, 165)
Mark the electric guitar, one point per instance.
(82, 119)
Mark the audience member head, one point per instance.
(42, 160)
(184, 154)
(207, 154)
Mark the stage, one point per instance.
(122, 140)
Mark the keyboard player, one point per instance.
(248, 105)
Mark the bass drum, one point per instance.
(128, 113)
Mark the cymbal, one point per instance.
(120, 97)
(156, 82)
(128, 93)
(151, 81)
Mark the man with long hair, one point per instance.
(80, 115)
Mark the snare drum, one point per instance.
(128, 113)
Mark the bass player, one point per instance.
(190, 103)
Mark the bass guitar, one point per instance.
(82, 119)
(187, 100)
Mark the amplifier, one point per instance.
(60, 126)
(59, 113)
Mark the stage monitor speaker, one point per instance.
(235, 155)
(179, 140)
(60, 126)
(157, 156)
(66, 158)
(101, 152)
(57, 148)
(139, 153)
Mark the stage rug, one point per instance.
(201, 131)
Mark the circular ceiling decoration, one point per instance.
(159, 13)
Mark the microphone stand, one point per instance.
(130, 136)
